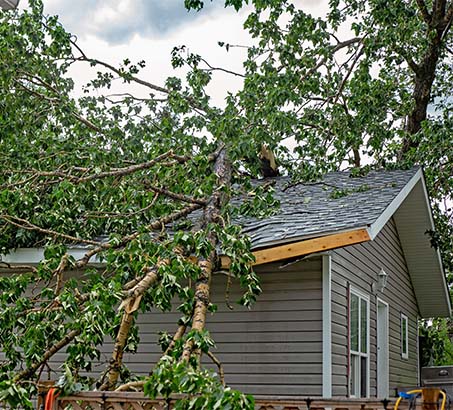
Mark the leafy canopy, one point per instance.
(141, 186)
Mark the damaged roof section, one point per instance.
(337, 203)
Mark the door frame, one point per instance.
(382, 348)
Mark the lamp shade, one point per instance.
(8, 4)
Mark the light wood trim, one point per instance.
(306, 247)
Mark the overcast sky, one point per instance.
(112, 30)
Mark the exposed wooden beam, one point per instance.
(306, 247)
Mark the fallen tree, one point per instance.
(143, 184)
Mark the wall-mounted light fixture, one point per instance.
(381, 283)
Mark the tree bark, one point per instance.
(439, 22)
(127, 320)
(222, 169)
(116, 360)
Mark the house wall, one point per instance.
(358, 266)
(275, 348)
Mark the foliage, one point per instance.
(142, 186)
(200, 385)
(437, 347)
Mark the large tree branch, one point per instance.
(411, 63)
(438, 13)
(130, 305)
(142, 285)
(156, 225)
(114, 172)
(222, 170)
(138, 385)
(17, 267)
(448, 15)
(116, 360)
(47, 355)
(27, 225)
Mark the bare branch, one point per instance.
(219, 366)
(114, 172)
(178, 197)
(128, 76)
(24, 224)
(348, 73)
(133, 168)
(211, 68)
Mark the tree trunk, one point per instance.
(222, 169)
(425, 72)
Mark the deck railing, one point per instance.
(137, 401)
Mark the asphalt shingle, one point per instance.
(336, 203)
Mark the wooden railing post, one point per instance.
(430, 398)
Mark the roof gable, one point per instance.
(336, 204)
(314, 216)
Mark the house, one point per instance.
(347, 270)
(8, 4)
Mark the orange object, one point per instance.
(52, 394)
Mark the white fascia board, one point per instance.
(326, 326)
(33, 256)
(380, 222)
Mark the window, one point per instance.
(404, 337)
(359, 337)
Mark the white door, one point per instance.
(382, 349)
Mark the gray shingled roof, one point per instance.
(337, 203)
